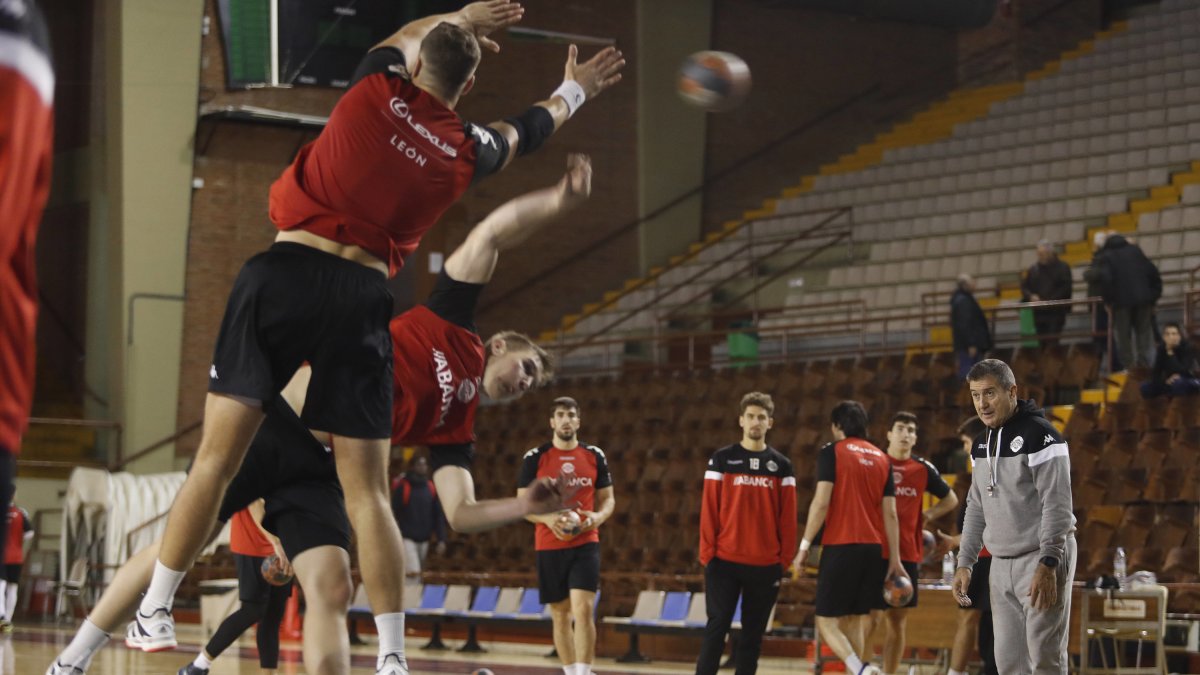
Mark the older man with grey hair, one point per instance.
(1047, 279)
(1019, 506)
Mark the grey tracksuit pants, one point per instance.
(1030, 642)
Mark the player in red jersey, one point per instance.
(18, 531)
(353, 204)
(855, 503)
(912, 477)
(261, 602)
(747, 535)
(568, 562)
(26, 144)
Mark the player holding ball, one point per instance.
(567, 542)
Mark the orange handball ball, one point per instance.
(897, 591)
(714, 81)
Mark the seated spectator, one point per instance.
(1175, 367)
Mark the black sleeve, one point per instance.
(454, 301)
(603, 477)
(491, 151)
(453, 454)
(827, 464)
(529, 469)
(934, 483)
(382, 60)
(889, 488)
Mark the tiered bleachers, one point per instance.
(1114, 127)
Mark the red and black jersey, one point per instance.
(245, 538)
(585, 467)
(26, 145)
(437, 374)
(862, 476)
(389, 162)
(18, 525)
(912, 478)
(748, 515)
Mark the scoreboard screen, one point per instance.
(310, 42)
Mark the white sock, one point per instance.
(583, 668)
(391, 635)
(956, 672)
(161, 594)
(87, 641)
(10, 601)
(853, 664)
(3, 602)
(569, 669)
(202, 661)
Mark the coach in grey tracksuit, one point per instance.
(1019, 506)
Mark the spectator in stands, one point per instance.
(854, 507)
(914, 478)
(1047, 279)
(419, 514)
(1019, 506)
(975, 618)
(568, 551)
(1175, 366)
(1100, 325)
(1131, 284)
(18, 532)
(747, 535)
(968, 325)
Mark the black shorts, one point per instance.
(979, 591)
(296, 475)
(252, 587)
(850, 579)
(293, 304)
(914, 571)
(12, 573)
(560, 570)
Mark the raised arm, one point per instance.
(481, 18)
(582, 82)
(474, 261)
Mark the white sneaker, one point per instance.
(57, 668)
(869, 669)
(153, 633)
(393, 664)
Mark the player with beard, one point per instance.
(913, 477)
(747, 535)
(568, 552)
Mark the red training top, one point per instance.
(584, 467)
(748, 515)
(912, 478)
(26, 144)
(245, 538)
(862, 476)
(18, 525)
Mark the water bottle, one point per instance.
(1119, 569)
(948, 567)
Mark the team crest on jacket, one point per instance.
(466, 390)
(568, 468)
(1017, 444)
(772, 466)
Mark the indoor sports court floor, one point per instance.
(29, 649)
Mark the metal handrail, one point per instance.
(123, 462)
(130, 534)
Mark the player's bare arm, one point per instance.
(606, 503)
(944, 506)
(582, 82)
(891, 526)
(514, 221)
(481, 18)
(818, 509)
(456, 490)
(258, 509)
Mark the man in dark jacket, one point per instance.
(968, 325)
(419, 514)
(1100, 323)
(1175, 366)
(1047, 279)
(1130, 283)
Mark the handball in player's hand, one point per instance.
(897, 591)
(569, 523)
(274, 571)
(714, 81)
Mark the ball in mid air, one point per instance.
(714, 81)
